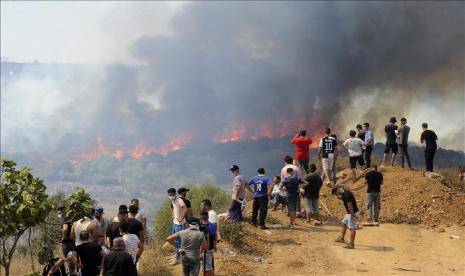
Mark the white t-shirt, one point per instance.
(179, 211)
(131, 243)
(354, 146)
(141, 215)
(213, 218)
(296, 169)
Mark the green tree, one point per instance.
(23, 204)
(78, 204)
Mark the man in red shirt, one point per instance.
(302, 144)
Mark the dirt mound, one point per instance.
(407, 197)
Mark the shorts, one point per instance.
(390, 147)
(292, 203)
(312, 205)
(351, 224)
(209, 263)
(327, 163)
(353, 161)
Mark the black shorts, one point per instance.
(390, 147)
(353, 161)
(292, 203)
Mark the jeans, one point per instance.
(429, 157)
(373, 205)
(259, 204)
(190, 267)
(368, 151)
(404, 154)
(177, 243)
(66, 248)
(235, 212)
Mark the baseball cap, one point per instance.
(182, 190)
(392, 120)
(98, 210)
(192, 220)
(234, 168)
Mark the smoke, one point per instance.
(257, 69)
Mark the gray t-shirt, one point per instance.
(191, 240)
(403, 135)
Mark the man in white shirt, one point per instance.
(179, 219)
(354, 146)
(288, 163)
(206, 205)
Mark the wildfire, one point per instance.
(237, 134)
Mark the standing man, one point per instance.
(291, 184)
(67, 243)
(179, 219)
(289, 164)
(182, 193)
(135, 226)
(302, 144)
(238, 194)
(355, 148)
(391, 137)
(404, 130)
(141, 215)
(113, 229)
(118, 262)
(369, 142)
(328, 153)
(98, 228)
(262, 188)
(81, 225)
(312, 186)
(430, 138)
(132, 243)
(374, 180)
(88, 256)
(360, 132)
(206, 205)
(193, 243)
(210, 231)
(351, 218)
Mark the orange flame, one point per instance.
(119, 154)
(237, 134)
(100, 150)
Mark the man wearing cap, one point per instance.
(98, 228)
(193, 243)
(238, 194)
(179, 219)
(182, 193)
(391, 140)
(302, 144)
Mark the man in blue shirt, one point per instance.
(292, 184)
(262, 188)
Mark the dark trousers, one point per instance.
(66, 248)
(190, 267)
(260, 204)
(304, 165)
(235, 212)
(429, 157)
(368, 151)
(404, 154)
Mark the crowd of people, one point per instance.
(94, 246)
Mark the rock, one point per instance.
(441, 230)
(455, 237)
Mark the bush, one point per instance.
(231, 231)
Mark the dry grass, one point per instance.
(153, 262)
(20, 266)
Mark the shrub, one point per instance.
(231, 231)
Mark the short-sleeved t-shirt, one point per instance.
(141, 215)
(292, 186)
(213, 218)
(131, 242)
(391, 135)
(361, 135)
(374, 179)
(191, 240)
(260, 184)
(135, 226)
(348, 196)
(313, 190)
(239, 182)
(179, 211)
(354, 146)
(302, 145)
(113, 231)
(187, 202)
(403, 134)
(430, 139)
(328, 146)
(89, 254)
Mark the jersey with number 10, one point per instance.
(260, 185)
(327, 146)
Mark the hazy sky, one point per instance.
(79, 32)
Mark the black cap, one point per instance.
(192, 220)
(182, 190)
(234, 168)
(171, 191)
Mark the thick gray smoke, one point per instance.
(228, 64)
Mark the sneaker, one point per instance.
(349, 246)
(376, 223)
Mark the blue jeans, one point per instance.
(190, 267)
(177, 243)
(235, 212)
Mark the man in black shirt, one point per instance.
(374, 180)
(182, 192)
(135, 226)
(391, 143)
(312, 186)
(118, 262)
(87, 256)
(430, 138)
(351, 218)
(113, 229)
